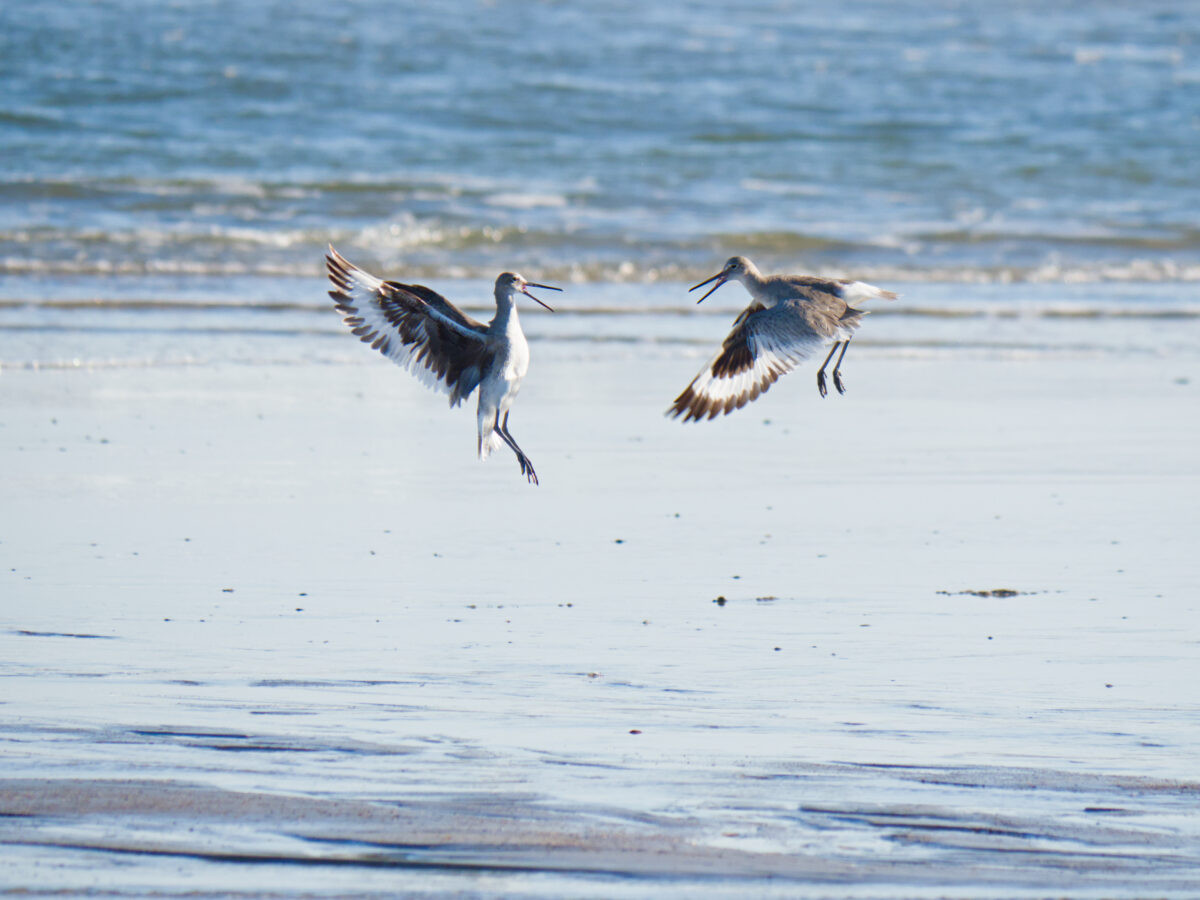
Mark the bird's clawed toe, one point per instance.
(527, 469)
(837, 383)
(821, 382)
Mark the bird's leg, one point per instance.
(837, 376)
(821, 371)
(512, 445)
(525, 461)
(526, 464)
(522, 459)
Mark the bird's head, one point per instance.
(509, 283)
(735, 267)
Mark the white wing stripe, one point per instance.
(360, 297)
(775, 350)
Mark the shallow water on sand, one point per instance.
(144, 322)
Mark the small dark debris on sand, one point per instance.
(994, 592)
(720, 601)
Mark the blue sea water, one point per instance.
(601, 141)
(200, 156)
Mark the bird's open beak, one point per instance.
(720, 278)
(545, 287)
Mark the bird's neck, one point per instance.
(506, 312)
(754, 284)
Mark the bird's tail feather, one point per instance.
(488, 441)
(860, 290)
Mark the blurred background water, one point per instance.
(599, 140)
(178, 168)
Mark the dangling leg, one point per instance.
(509, 441)
(526, 465)
(821, 371)
(522, 459)
(837, 378)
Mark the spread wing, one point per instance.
(763, 344)
(415, 327)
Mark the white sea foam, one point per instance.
(526, 201)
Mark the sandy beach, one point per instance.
(268, 629)
(271, 630)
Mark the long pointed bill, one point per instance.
(544, 287)
(720, 278)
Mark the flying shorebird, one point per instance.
(788, 319)
(422, 331)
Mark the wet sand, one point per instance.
(272, 631)
(937, 847)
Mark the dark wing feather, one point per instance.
(764, 344)
(413, 326)
(440, 304)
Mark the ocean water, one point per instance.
(598, 141)
(177, 169)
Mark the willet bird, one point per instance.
(422, 331)
(789, 317)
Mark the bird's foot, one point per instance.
(821, 382)
(837, 382)
(527, 469)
